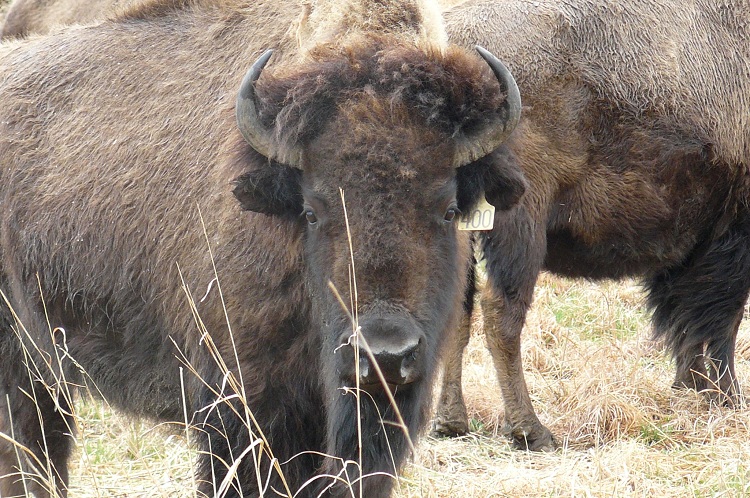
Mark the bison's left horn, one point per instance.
(248, 119)
(494, 134)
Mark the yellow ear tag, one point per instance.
(482, 217)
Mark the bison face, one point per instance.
(383, 150)
(380, 200)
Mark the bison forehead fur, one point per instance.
(452, 91)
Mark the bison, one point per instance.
(25, 17)
(281, 248)
(635, 144)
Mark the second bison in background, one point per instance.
(635, 140)
(25, 17)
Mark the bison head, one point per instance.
(376, 149)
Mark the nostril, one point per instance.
(410, 359)
(409, 366)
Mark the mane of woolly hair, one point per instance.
(453, 90)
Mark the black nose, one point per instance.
(396, 347)
(398, 366)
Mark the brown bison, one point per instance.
(126, 256)
(635, 142)
(25, 17)
(3, 10)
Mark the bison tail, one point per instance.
(697, 306)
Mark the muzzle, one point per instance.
(390, 353)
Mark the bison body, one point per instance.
(149, 238)
(635, 144)
(24, 17)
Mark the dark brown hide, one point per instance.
(634, 142)
(121, 165)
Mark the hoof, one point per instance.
(536, 439)
(729, 400)
(449, 428)
(691, 383)
(738, 401)
(732, 399)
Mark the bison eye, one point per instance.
(310, 216)
(451, 214)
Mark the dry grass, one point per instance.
(596, 379)
(603, 388)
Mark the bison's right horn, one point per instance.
(249, 122)
(491, 136)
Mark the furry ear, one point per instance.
(498, 175)
(273, 189)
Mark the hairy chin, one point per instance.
(385, 444)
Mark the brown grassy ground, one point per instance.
(596, 379)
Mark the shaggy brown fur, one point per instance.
(635, 142)
(324, 21)
(118, 149)
(25, 17)
(40, 16)
(419, 79)
(3, 9)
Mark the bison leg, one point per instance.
(720, 363)
(503, 334)
(691, 370)
(11, 483)
(514, 253)
(699, 304)
(42, 427)
(451, 419)
(35, 404)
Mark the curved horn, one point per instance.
(248, 121)
(490, 137)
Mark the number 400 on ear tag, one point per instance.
(482, 217)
